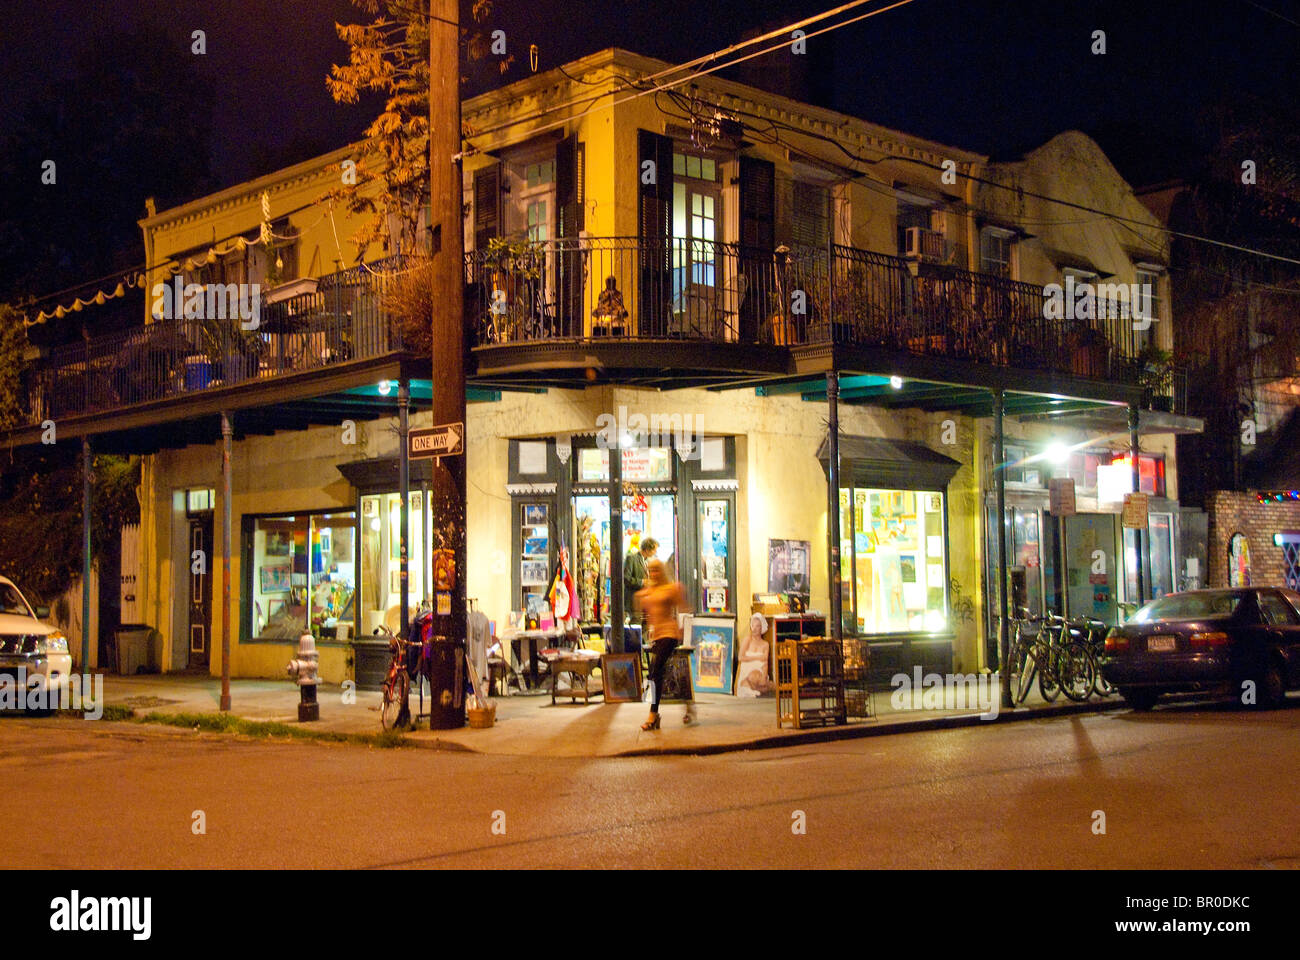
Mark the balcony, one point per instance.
(341, 322)
(708, 295)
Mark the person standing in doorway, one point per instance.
(661, 599)
(634, 570)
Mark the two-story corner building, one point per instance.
(699, 279)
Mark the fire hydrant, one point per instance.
(303, 670)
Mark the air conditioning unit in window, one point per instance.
(925, 245)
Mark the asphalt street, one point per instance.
(1204, 786)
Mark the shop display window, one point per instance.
(644, 515)
(894, 560)
(640, 465)
(381, 556)
(304, 575)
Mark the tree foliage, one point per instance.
(40, 514)
(390, 56)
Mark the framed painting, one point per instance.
(713, 656)
(275, 577)
(677, 678)
(621, 674)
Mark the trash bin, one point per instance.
(445, 660)
(133, 653)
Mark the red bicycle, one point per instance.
(395, 709)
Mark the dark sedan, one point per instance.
(1244, 642)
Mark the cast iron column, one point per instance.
(449, 349)
(226, 433)
(404, 491)
(85, 554)
(1003, 664)
(427, 566)
(1134, 456)
(833, 504)
(616, 611)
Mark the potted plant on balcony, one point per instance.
(231, 352)
(1154, 369)
(511, 271)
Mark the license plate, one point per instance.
(1160, 644)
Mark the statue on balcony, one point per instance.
(610, 311)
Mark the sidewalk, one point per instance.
(531, 726)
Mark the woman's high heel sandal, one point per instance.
(652, 723)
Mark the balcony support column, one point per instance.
(1001, 653)
(616, 611)
(833, 504)
(1135, 460)
(404, 491)
(85, 553)
(226, 546)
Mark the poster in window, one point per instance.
(715, 599)
(715, 569)
(534, 513)
(788, 566)
(532, 573)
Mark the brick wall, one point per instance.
(1241, 513)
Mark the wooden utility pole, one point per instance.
(449, 353)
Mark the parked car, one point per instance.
(1212, 640)
(36, 649)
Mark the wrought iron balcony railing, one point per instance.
(342, 320)
(638, 289)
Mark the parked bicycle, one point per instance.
(395, 708)
(1047, 649)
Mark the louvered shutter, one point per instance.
(654, 211)
(757, 241)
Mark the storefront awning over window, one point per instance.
(889, 464)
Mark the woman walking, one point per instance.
(660, 601)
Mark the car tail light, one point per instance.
(1215, 639)
(1116, 642)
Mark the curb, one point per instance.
(832, 734)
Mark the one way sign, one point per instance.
(447, 440)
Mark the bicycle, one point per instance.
(1051, 653)
(395, 707)
(1092, 633)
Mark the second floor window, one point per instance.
(996, 252)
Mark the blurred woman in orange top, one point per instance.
(661, 600)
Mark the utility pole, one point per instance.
(449, 353)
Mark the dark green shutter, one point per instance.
(757, 241)
(655, 216)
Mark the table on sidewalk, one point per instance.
(517, 638)
(578, 668)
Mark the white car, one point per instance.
(33, 650)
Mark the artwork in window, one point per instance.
(275, 578)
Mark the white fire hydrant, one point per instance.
(303, 670)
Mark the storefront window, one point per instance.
(899, 562)
(381, 553)
(304, 575)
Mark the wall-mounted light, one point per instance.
(896, 383)
(385, 387)
(1057, 452)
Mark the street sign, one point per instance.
(446, 440)
(1135, 511)
(1060, 496)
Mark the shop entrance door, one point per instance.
(1091, 566)
(200, 591)
(644, 515)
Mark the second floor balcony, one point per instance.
(706, 293)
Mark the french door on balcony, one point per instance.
(696, 266)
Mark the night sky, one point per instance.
(998, 78)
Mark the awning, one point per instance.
(381, 474)
(889, 464)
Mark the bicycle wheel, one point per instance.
(1078, 672)
(1025, 682)
(1100, 685)
(396, 693)
(1049, 684)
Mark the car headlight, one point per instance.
(54, 642)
